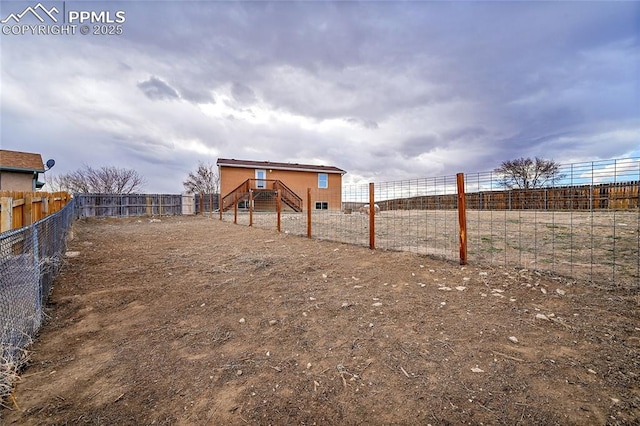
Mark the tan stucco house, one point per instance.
(19, 171)
(263, 178)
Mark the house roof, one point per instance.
(17, 161)
(247, 164)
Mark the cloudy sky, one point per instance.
(384, 90)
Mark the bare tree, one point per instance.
(204, 180)
(527, 173)
(103, 180)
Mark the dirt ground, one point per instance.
(193, 321)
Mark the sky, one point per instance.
(384, 90)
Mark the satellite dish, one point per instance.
(50, 163)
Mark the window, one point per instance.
(322, 205)
(323, 180)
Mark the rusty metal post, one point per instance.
(278, 206)
(308, 212)
(250, 207)
(462, 218)
(372, 218)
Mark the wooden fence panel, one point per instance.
(19, 209)
(619, 195)
(127, 205)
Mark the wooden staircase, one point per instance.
(262, 188)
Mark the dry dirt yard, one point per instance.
(193, 321)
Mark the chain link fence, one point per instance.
(30, 258)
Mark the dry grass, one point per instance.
(12, 361)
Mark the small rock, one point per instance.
(461, 288)
(443, 303)
(312, 298)
(484, 274)
(72, 254)
(357, 286)
(444, 288)
(154, 220)
(273, 322)
(422, 285)
(615, 400)
(591, 371)
(542, 317)
(308, 365)
(202, 305)
(543, 290)
(477, 370)
(561, 292)
(370, 325)
(242, 321)
(513, 339)
(324, 276)
(377, 304)
(268, 353)
(239, 373)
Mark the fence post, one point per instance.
(6, 218)
(35, 249)
(278, 207)
(372, 218)
(250, 207)
(308, 212)
(220, 204)
(235, 208)
(462, 218)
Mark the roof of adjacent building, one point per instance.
(247, 164)
(17, 161)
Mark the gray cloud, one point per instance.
(157, 90)
(242, 94)
(385, 90)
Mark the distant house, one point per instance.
(262, 179)
(20, 171)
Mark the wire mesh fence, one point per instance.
(30, 257)
(584, 223)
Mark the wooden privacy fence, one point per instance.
(616, 196)
(19, 209)
(125, 205)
